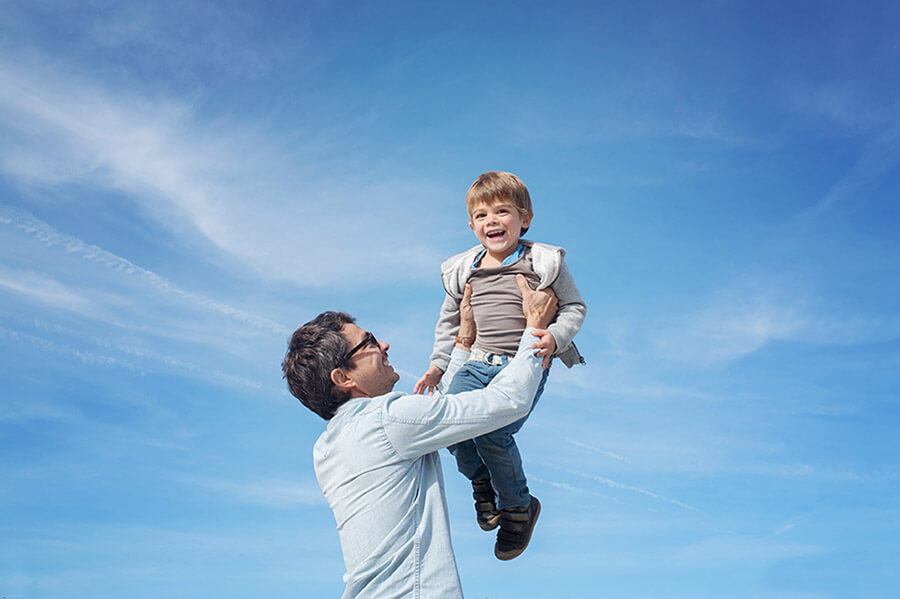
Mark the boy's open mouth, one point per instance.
(495, 234)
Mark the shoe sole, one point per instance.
(508, 555)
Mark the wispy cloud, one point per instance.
(43, 289)
(769, 594)
(19, 410)
(608, 482)
(617, 485)
(784, 529)
(290, 216)
(269, 493)
(50, 237)
(136, 360)
(879, 157)
(556, 484)
(745, 316)
(719, 550)
(533, 120)
(85, 357)
(736, 322)
(600, 451)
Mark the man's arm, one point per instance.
(417, 425)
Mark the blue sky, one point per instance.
(183, 184)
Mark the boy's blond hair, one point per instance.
(497, 186)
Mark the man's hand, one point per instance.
(466, 315)
(546, 346)
(429, 381)
(539, 307)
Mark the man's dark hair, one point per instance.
(314, 351)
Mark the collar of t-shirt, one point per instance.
(508, 260)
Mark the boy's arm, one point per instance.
(572, 308)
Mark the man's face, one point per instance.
(368, 367)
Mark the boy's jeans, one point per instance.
(495, 454)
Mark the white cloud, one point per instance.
(555, 484)
(736, 322)
(617, 485)
(600, 451)
(279, 207)
(764, 594)
(22, 410)
(140, 361)
(877, 158)
(88, 358)
(268, 493)
(43, 289)
(751, 552)
(746, 316)
(608, 482)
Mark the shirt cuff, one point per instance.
(526, 342)
(457, 354)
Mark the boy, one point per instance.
(500, 212)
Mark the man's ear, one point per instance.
(341, 380)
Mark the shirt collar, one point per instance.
(508, 260)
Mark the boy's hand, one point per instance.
(546, 346)
(429, 381)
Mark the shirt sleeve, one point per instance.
(420, 424)
(445, 332)
(572, 309)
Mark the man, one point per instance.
(377, 460)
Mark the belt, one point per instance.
(479, 355)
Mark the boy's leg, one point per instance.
(519, 510)
(500, 454)
(470, 377)
(473, 376)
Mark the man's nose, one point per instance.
(384, 345)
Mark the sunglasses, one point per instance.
(369, 339)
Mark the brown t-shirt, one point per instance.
(497, 304)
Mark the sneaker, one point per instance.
(516, 526)
(485, 506)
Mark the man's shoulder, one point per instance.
(353, 419)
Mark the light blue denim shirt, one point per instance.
(378, 466)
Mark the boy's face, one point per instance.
(497, 225)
